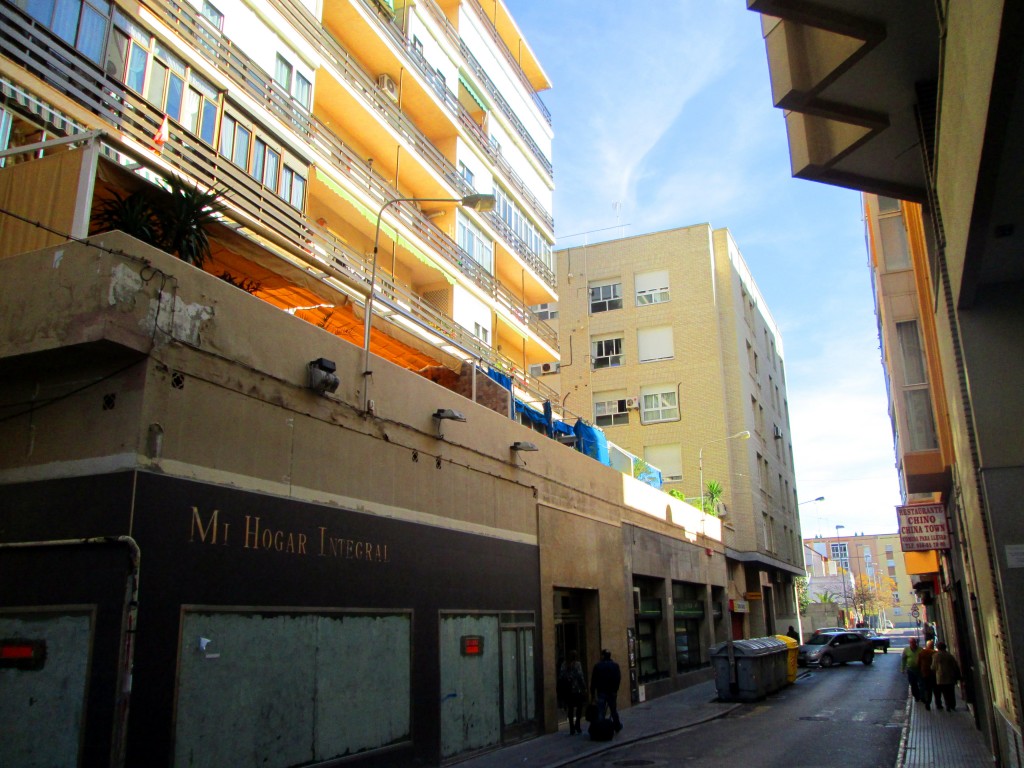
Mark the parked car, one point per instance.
(828, 648)
(819, 630)
(878, 642)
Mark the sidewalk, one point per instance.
(934, 739)
(937, 739)
(682, 709)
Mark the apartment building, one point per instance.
(851, 566)
(344, 139)
(669, 347)
(918, 103)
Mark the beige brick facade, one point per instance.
(668, 345)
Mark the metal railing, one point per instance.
(252, 206)
(347, 163)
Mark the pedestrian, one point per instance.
(924, 668)
(947, 673)
(793, 634)
(604, 686)
(572, 690)
(908, 665)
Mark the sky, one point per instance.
(663, 118)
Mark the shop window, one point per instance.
(688, 615)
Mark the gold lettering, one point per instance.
(349, 546)
(267, 539)
(322, 532)
(291, 543)
(278, 540)
(255, 533)
(368, 549)
(226, 526)
(209, 529)
(302, 543)
(359, 550)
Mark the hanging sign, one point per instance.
(923, 526)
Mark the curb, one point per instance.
(611, 746)
(901, 755)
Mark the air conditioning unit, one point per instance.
(550, 367)
(778, 432)
(632, 403)
(387, 84)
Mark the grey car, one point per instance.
(828, 648)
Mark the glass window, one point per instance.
(259, 158)
(91, 33)
(303, 90)
(293, 187)
(605, 297)
(660, 405)
(283, 72)
(606, 353)
(894, 242)
(610, 413)
(272, 169)
(212, 15)
(137, 60)
(65, 19)
(651, 287)
(240, 156)
(913, 354)
(920, 422)
(474, 242)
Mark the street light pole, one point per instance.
(476, 202)
(796, 591)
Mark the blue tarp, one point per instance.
(651, 476)
(563, 428)
(530, 415)
(501, 378)
(592, 442)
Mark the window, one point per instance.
(521, 226)
(266, 164)
(293, 82)
(912, 352)
(293, 187)
(606, 352)
(417, 45)
(234, 142)
(659, 405)
(465, 173)
(655, 344)
(546, 311)
(211, 14)
(474, 242)
(667, 458)
(894, 243)
(610, 411)
(920, 422)
(840, 555)
(80, 24)
(651, 287)
(605, 296)
(482, 333)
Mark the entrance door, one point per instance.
(470, 683)
(518, 683)
(737, 626)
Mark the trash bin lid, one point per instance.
(754, 646)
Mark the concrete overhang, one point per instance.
(763, 559)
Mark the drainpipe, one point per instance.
(128, 621)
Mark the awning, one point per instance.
(371, 216)
(472, 92)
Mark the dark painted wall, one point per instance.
(202, 544)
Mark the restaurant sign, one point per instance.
(923, 526)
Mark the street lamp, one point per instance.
(744, 435)
(476, 202)
(845, 607)
(811, 501)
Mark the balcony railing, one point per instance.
(254, 210)
(347, 163)
(474, 65)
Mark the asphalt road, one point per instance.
(849, 716)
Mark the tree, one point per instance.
(871, 596)
(803, 595)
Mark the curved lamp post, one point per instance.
(744, 435)
(476, 202)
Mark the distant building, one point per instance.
(669, 347)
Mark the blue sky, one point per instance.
(663, 118)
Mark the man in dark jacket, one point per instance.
(604, 686)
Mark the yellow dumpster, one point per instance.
(792, 651)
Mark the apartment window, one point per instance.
(841, 555)
(609, 410)
(211, 14)
(80, 24)
(521, 226)
(668, 458)
(651, 287)
(481, 332)
(655, 344)
(606, 352)
(234, 142)
(888, 205)
(293, 187)
(605, 296)
(465, 173)
(474, 242)
(894, 243)
(892, 571)
(546, 311)
(912, 352)
(417, 45)
(660, 404)
(920, 421)
(297, 86)
(266, 164)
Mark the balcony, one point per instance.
(256, 214)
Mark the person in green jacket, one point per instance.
(908, 665)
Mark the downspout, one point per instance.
(128, 620)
